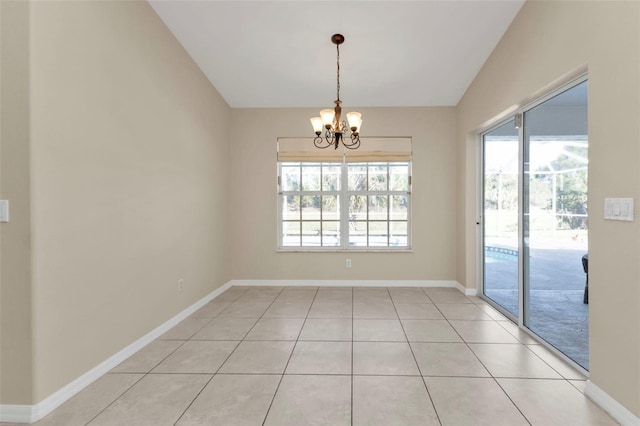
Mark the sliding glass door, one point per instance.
(555, 222)
(535, 221)
(500, 213)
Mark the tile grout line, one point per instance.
(196, 396)
(219, 367)
(266, 415)
(144, 375)
(150, 371)
(415, 359)
(352, 353)
(488, 371)
(228, 356)
(512, 401)
(545, 361)
(117, 398)
(246, 334)
(481, 363)
(521, 343)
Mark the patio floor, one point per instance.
(556, 309)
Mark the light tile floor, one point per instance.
(338, 356)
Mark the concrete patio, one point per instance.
(556, 309)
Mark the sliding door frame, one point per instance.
(480, 222)
(518, 116)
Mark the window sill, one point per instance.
(363, 250)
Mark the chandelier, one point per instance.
(335, 130)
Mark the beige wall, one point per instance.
(548, 42)
(128, 157)
(124, 176)
(15, 244)
(254, 197)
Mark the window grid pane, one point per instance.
(377, 176)
(291, 234)
(291, 177)
(376, 201)
(386, 199)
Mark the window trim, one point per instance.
(343, 196)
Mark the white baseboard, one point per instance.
(466, 291)
(358, 283)
(33, 413)
(610, 405)
(16, 413)
(350, 283)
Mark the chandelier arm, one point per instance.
(319, 142)
(354, 144)
(329, 140)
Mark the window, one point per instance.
(310, 199)
(378, 204)
(344, 200)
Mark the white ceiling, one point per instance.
(396, 53)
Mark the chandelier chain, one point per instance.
(338, 73)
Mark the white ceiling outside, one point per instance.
(396, 53)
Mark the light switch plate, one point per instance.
(4, 210)
(618, 209)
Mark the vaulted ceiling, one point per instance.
(396, 53)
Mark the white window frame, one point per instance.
(343, 196)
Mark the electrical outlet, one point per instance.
(348, 263)
(180, 284)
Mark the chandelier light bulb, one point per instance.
(328, 115)
(355, 121)
(317, 124)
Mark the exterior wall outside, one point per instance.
(550, 42)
